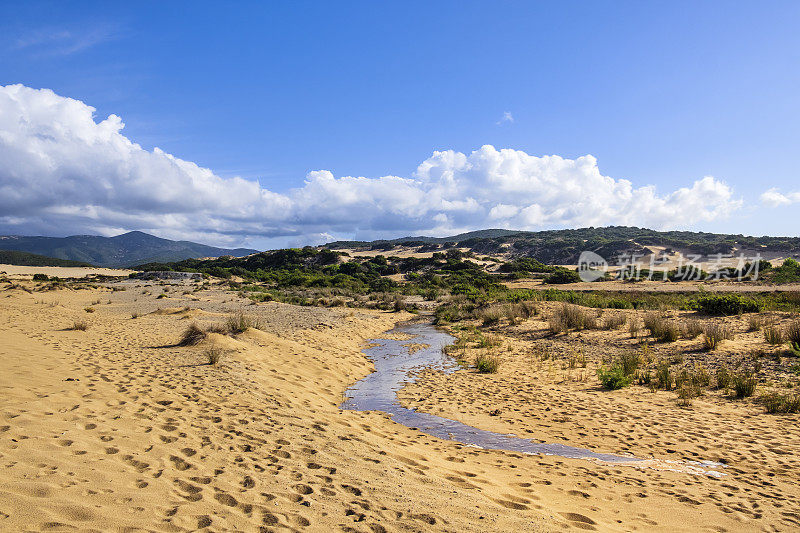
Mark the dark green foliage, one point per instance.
(788, 272)
(562, 275)
(13, 257)
(727, 304)
(613, 378)
(40, 277)
(564, 246)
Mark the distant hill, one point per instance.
(13, 257)
(564, 246)
(124, 250)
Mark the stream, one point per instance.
(396, 363)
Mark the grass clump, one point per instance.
(488, 363)
(714, 334)
(634, 327)
(754, 322)
(776, 403)
(744, 384)
(571, 317)
(773, 335)
(214, 355)
(660, 328)
(89, 309)
(663, 378)
(724, 378)
(622, 372)
(240, 322)
(692, 329)
(793, 334)
(79, 325)
(193, 335)
(614, 321)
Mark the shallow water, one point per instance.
(396, 365)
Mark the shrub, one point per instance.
(490, 315)
(614, 321)
(193, 335)
(654, 322)
(744, 384)
(80, 325)
(775, 402)
(773, 335)
(89, 309)
(713, 334)
(562, 275)
(555, 325)
(613, 378)
(633, 327)
(40, 277)
(134, 316)
(399, 305)
(726, 304)
(692, 329)
(487, 364)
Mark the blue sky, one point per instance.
(659, 93)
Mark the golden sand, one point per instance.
(118, 428)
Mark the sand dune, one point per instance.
(118, 428)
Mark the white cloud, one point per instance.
(507, 117)
(61, 172)
(774, 198)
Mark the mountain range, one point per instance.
(124, 250)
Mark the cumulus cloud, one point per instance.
(774, 198)
(63, 172)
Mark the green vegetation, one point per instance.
(726, 304)
(613, 378)
(123, 250)
(487, 363)
(14, 257)
(564, 246)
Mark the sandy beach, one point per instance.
(117, 428)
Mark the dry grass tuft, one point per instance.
(80, 325)
(193, 335)
(715, 333)
(614, 321)
(240, 322)
(773, 335)
(214, 355)
(754, 322)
